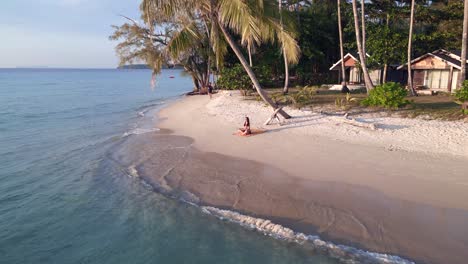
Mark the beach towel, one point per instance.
(253, 132)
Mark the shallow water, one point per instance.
(64, 200)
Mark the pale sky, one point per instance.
(61, 33)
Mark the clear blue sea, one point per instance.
(62, 200)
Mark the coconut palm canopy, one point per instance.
(176, 29)
(255, 21)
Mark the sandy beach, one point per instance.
(400, 189)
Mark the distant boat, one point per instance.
(172, 77)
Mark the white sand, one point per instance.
(412, 159)
(415, 135)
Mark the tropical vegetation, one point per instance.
(388, 95)
(302, 39)
(462, 93)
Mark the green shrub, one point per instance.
(388, 95)
(345, 103)
(264, 75)
(304, 96)
(300, 98)
(462, 93)
(462, 96)
(235, 77)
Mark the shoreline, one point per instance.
(390, 208)
(301, 152)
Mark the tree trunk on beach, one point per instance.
(367, 79)
(196, 83)
(410, 42)
(462, 75)
(249, 71)
(344, 87)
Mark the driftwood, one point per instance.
(352, 121)
(273, 117)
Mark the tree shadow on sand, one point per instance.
(312, 120)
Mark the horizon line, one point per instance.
(54, 67)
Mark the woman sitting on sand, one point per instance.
(246, 129)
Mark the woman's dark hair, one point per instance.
(247, 121)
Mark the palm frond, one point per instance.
(183, 40)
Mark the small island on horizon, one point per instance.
(146, 67)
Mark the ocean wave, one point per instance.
(139, 131)
(145, 107)
(342, 253)
(49, 84)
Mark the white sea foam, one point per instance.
(132, 171)
(345, 254)
(139, 131)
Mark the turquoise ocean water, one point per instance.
(62, 200)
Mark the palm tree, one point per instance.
(250, 48)
(340, 33)
(462, 75)
(258, 20)
(410, 41)
(286, 66)
(363, 28)
(362, 55)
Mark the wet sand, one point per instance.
(409, 204)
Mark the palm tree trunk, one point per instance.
(250, 72)
(208, 69)
(298, 15)
(340, 33)
(286, 66)
(410, 41)
(249, 48)
(363, 28)
(367, 79)
(462, 75)
(286, 74)
(385, 69)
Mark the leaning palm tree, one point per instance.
(286, 66)
(256, 19)
(462, 75)
(410, 41)
(362, 55)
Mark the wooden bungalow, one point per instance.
(354, 73)
(436, 71)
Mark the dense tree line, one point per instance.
(380, 27)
